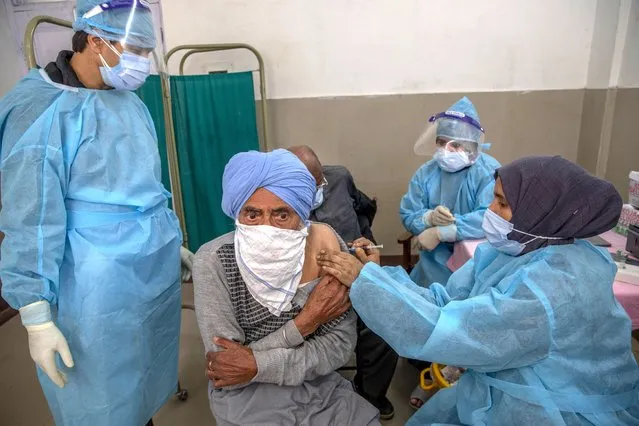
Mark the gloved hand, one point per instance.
(187, 263)
(429, 239)
(44, 341)
(441, 216)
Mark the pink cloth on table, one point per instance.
(463, 251)
(626, 294)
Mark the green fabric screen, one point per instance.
(151, 95)
(214, 118)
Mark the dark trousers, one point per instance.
(419, 365)
(376, 362)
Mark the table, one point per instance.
(626, 294)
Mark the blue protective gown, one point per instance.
(88, 230)
(543, 337)
(467, 193)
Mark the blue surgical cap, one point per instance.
(113, 24)
(465, 106)
(279, 172)
(456, 129)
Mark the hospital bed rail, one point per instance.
(193, 49)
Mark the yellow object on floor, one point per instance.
(436, 380)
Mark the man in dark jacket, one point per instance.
(350, 212)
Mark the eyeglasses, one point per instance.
(323, 183)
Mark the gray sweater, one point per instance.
(225, 308)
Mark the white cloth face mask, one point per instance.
(270, 261)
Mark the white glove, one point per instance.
(429, 239)
(187, 263)
(44, 341)
(441, 216)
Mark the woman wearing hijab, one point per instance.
(532, 317)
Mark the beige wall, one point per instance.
(591, 128)
(374, 136)
(619, 134)
(623, 155)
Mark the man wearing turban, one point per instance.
(275, 330)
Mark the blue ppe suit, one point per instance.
(543, 338)
(88, 230)
(467, 193)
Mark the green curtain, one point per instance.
(214, 118)
(151, 95)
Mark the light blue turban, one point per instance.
(459, 130)
(112, 24)
(279, 172)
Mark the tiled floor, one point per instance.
(22, 402)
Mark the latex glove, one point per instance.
(441, 216)
(187, 263)
(429, 239)
(44, 341)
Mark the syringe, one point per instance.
(380, 246)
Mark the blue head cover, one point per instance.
(465, 106)
(128, 21)
(457, 129)
(279, 172)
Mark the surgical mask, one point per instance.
(496, 229)
(270, 261)
(319, 197)
(129, 74)
(451, 161)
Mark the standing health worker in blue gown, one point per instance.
(91, 255)
(447, 196)
(532, 317)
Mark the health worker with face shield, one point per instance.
(532, 317)
(447, 196)
(91, 254)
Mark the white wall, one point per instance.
(614, 54)
(367, 47)
(10, 61)
(629, 67)
(604, 39)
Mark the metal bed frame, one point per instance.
(207, 48)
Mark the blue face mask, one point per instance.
(496, 229)
(129, 74)
(451, 161)
(319, 197)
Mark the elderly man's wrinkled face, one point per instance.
(266, 208)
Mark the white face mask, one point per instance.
(451, 161)
(319, 197)
(270, 260)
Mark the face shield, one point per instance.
(451, 132)
(129, 23)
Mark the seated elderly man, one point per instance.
(275, 331)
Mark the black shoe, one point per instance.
(386, 409)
